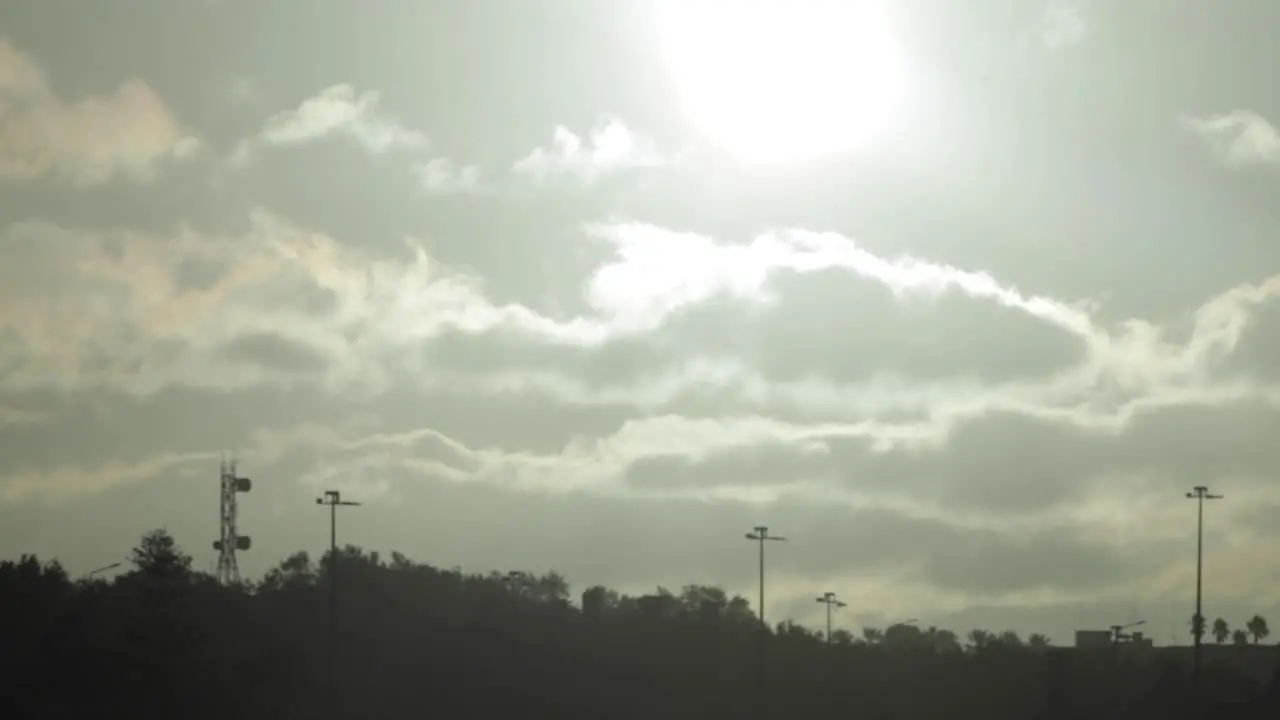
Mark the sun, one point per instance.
(775, 81)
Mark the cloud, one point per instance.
(610, 148)
(128, 133)
(902, 535)
(443, 177)
(1239, 138)
(336, 111)
(277, 303)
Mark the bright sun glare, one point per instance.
(776, 81)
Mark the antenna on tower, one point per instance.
(229, 541)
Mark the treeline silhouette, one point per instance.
(161, 640)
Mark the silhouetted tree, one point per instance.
(1239, 637)
(1257, 627)
(1038, 641)
(980, 640)
(165, 641)
(1221, 631)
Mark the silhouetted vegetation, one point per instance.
(162, 640)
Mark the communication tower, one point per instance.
(230, 541)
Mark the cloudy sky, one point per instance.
(963, 307)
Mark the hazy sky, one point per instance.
(487, 267)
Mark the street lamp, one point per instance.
(1199, 493)
(102, 569)
(760, 534)
(829, 599)
(334, 500)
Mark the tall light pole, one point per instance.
(334, 500)
(1199, 493)
(829, 599)
(760, 534)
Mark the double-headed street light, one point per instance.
(829, 599)
(334, 500)
(760, 534)
(1199, 493)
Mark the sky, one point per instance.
(516, 276)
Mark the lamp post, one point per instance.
(101, 570)
(334, 500)
(829, 599)
(1199, 493)
(761, 534)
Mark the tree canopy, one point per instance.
(411, 640)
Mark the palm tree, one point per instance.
(1009, 638)
(1257, 627)
(1221, 631)
(1038, 641)
(980, 639)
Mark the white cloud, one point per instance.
(442, 176)
(336, 110)
(1240, 137)
(611, 147)
(126, 133)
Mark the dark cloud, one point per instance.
(93, 429)
(1008, 464)
(836, 326)
(197, 274)
(276, 353)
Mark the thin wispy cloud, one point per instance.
(338, 110)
